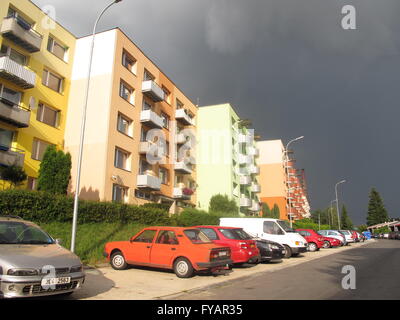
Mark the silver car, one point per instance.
(34, 264)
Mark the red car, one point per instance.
(355, 236)
(331, 242)
(184, 250)
(243, 247)
(315, 241)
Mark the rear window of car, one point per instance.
(196, 236)
(235, 234)
(210, 233)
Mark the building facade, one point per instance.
(36, 60)
(278, 179)
(139, 127)
(226, 156)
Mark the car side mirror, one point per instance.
(59, 242)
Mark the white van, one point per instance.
(270, 229)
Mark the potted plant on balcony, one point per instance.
(187, 191)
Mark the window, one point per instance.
(52, 81)
(129, 62)
(147, 106)
(19, 58)
(148, 76)
(165, 119)
(164, 175)
(143, 195)
(6, 139)
(47, 115)
(196, 236)
(144, 166)
(39, 148)
(58, 49)
(271, 227)
(32, 183)
(146, 236)
(167, 237)
(121, 160)
(10, 96)
(125, 125)
(210, 233)
(120, 193)
(23, 22)
(126, 93)
(179, 104)
(167, 95)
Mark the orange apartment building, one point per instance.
(138, 131)
(276, 182)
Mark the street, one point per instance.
(377, 277)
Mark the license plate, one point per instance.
(55, 281)
(222, 253)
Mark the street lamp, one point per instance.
(287, 175)
(83, 125)
(337, 201)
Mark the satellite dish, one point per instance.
(32, 103)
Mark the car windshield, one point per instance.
(285, 226)
(197, 236)
(236, 234)
(12, 232)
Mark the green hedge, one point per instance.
(309, 224)
(46, 208)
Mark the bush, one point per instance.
(193, 217)
(43, 207)
(309, 224)
(222, 203)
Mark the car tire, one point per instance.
(312, 247)
(327, 245)
(288, 251)
(118, 261)
(183, 268)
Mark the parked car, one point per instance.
(243, 247)
(275, 230)
(367, 235)
(385, 236)
(270, 250)
(33, 264)
(348, 235)
(333, 234)
(361, 236)
(394, 235)
(331, 242)
(355, 235)
(184, 250)
(315, 241)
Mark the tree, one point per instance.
(14, 174)
(54, 171)
(266, 211)
(345, 221)
(222, 203)
(275, 212)
(362, 228)
(376, 210)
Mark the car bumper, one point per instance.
(296, 250)
(11, 288)
(214, 264)
(274, 255)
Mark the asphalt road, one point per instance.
(377, 276)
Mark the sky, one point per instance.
(290, 67)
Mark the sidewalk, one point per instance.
(146, 284)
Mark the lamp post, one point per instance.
(288, 176)
(83, 125)
(337, 201)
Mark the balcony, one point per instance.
(254, 169)
(181, 138)
(151, 119)
(22, 34)
(10, 156)
(254, 152)
(16, 73)
(245, 180)
(183, 167)
(182, 116)
(255, 206)
(182, 193)
(255, 187)
(147, 181)
(245, 202)
(245, 159)
(14, 114)
(152, 90)
(245, 138)
(148, 147)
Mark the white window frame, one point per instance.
(122, 117)
(35, 155)
(125, 195)
(53, 42)
(131, 98)
(44, 106)
(126, 164)
(46, 82)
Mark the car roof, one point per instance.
(169, 228)
(14, 219)
(217, 227)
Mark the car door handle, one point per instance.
(173, 249)
(148, 247)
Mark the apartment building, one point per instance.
(36, 59)
(277, 179)
(226, 154)
(139, 129)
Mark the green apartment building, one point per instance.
(226, 155)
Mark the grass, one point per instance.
(91, 237)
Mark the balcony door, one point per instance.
(6, 139)
(9, 95)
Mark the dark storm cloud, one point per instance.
(290, 67)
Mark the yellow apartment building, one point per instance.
(36, 59)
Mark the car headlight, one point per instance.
(274, 247)
(22, 272)
(77, 269)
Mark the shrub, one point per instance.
(14, 174)
(222, 203)
(309, 224)
(192, 217)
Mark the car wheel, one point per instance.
(288, 251)
(326, 244)
(183, 268)
(118, 261)
(312, 247)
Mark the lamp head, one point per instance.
(116, 1)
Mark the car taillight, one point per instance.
(216, 254)
(243, 245)
(320, 239)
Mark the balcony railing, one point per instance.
(183, 167)
(181, 115)
(14, 114)
(151, 119)
(253, 151)
(245, 138)
(179, 193)
(21, 33)
(255, 206)
(150, 147)
(16, 73)
(10, 156)
(148, 182)
(245, 180)
(153, 90)
(245, 159)
(255, 187)
(254, 169)
(245, 202)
